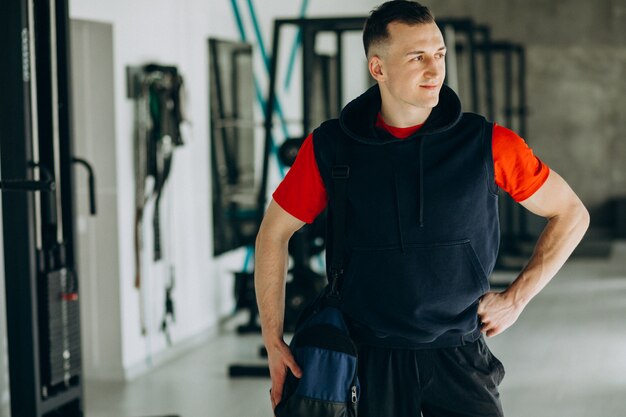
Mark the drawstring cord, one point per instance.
(421, 193)
(389, 155)
(395, 192)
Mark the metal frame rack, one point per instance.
(43, 325)
(513, 109)
(234, 190)
(309, 29)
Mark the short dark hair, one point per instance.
(402, 11)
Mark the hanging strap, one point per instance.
(340, 173)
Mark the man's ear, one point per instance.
(375, 66)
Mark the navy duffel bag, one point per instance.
(323, 349)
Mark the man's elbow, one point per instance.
(584, 217)
(256, 241)
(580, 215)
(260, 237)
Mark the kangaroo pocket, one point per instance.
(420, 294)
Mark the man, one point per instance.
(422, 230)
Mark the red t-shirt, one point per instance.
(517, 171)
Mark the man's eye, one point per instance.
(418, 58)
(440, 56)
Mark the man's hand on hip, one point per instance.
(497, 312)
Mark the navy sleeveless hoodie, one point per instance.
(422, 230)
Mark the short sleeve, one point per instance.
(302, 193)
(517, 170)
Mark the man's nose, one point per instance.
(433, 69)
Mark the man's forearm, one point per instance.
(270, 269)
(556, 243)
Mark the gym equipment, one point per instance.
(232, 145)
(309, 29)
(500, 95)
(509, 91)
(464, 39)
(619, 214)
(514, 222)
(43, 318)
(158, 94)
(462, 75)
(303, 285)
(322, 99)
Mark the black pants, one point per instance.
(443, 382)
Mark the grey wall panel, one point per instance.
(97, 248)
(576, 53)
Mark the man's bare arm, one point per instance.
(568, 221)
(271, 262)
(270, 268)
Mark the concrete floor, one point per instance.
(565, 357)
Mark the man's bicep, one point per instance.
(553, 198)
(278, 223)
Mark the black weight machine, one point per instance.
(232, 145)
(235, 192)
(43, 320)
(508, 103)
(516, 239)
(322, 98)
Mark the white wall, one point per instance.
(176, 33)
(169, 33)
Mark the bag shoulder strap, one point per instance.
(340, 173)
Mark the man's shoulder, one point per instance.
(329, 126)
(325, 139)
(327, 134)
(471, 117)
(471, 122)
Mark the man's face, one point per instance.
(413, 64)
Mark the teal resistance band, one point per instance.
(266, 60)
(294, 48)
(246, 261)
(257, 89)
(257, 30)
(261, 101)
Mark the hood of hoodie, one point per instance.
(358, 118)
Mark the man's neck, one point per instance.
(399, 114)
(404, 116)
